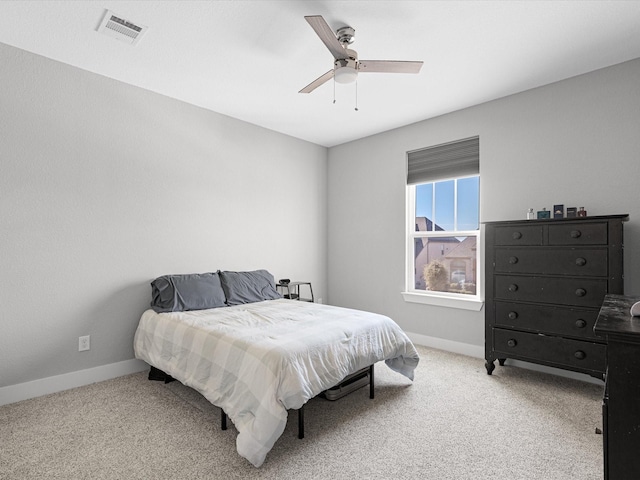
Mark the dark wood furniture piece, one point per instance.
(545, 283)
(621, 402)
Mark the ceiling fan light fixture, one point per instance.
(345, 74)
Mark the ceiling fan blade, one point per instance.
(389, 66)
(327, 36)
(317, 82)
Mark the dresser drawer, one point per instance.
(573, 322)
(548, 260)
(578, 234)
(519, 235)
(581, 292)
(557, 351)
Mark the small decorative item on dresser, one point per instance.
(558, 211)
(544, 213)
(530, 214)
(582, 212)
(572, 212)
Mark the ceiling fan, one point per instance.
(346, 65)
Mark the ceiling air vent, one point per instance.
(124, 30)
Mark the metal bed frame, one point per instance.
(159, 375)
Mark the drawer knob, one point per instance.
(580, 355)
(580, 323)
(513, 315)
(513, 287)
(581, 292)
(581, 262)
(512, 342)
(513, 260)
(516, 235)
(575, 233)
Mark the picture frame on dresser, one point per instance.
(545, 282)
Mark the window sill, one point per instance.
(443, 301)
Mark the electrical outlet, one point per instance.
(319, 300)
(84, 343)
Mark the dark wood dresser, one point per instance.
(545, 283)
(621, 402)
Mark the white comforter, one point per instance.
(256, 361)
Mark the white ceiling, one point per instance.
(249, 59)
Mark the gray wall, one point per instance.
(574, 142)
(104, 186)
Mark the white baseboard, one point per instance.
(447, 345)
(478, 352)
(58, 383)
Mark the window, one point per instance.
(443, 225)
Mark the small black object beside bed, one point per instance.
(233, 338)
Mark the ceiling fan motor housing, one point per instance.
(345, 35)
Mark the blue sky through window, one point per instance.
(468, 192)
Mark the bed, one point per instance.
(257, 355)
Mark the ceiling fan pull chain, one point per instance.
(356, 94)
(334, 90)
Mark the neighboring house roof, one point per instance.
(423, 224)
(464, 249)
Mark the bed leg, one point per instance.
(158, 375)
(301, 422)
(371, 382)
(223, 420)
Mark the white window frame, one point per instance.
(443, 299)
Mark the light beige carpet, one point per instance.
(453, 422)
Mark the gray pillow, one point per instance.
(248, 287)
(195, 291)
